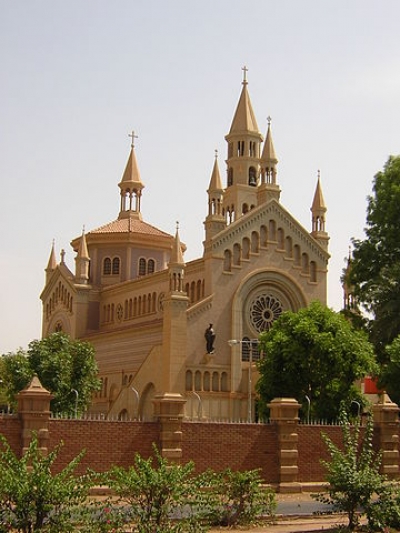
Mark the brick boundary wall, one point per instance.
(238, 446)
(106, 443)
(208, 445)
(287, 453)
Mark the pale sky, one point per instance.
(77, 76)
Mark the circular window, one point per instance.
(264, 309)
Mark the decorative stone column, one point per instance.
(34, 411)
(284, 412)
(168, 409)
(386, 422)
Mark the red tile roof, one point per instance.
(130, 225)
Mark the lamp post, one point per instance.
(137, 399)
(76, 401)
(250, 343)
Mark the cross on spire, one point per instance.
(269, 119)
(216, 154)
(245, 69)
(133, 137)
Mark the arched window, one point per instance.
(296, 254)
(263, 236)
(272, 230)
(142, 266)
(189, 380)
(288, 247)
(215, 382)
(107, 266)
(197, 380)
(255, 242)
(230, 177)
(305, 265)
(227, 261)
(206, 381)
(236, 254)
(151, 266)
(246, 248)
(252, 177)
(313, 271)
(115, 265)
(281, 239)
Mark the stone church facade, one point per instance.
(145, 310)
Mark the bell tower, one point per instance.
(243, 162)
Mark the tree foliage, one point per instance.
(353, 472)
(316, 355)
(390, 372)
(375, 267)
(34, 499)
(65, 367)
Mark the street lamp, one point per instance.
(137, 398)
(76, 401)
(250, 343)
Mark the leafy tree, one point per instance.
(390, 373)
(375, 267)
(314, 356)
(353, 473)
(34, 499)
(65, 367)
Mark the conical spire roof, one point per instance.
(215, 181)
(176, 254)
(83, 249)
(52, 264)
(131, 177)
(268, 153)
(318, 201)
(244, 119)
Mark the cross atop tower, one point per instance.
(245, 69)
(133, 137)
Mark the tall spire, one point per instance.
(244, 119)
(244, 141)
(176, 265)
(131, 186)
(215, 181)
(52, 263)
(82, 261)
(215, 220)
(318, 211)
(268, 188)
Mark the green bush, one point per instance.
(353, 472)
(32, 498)
(165, 497)
(239, 498)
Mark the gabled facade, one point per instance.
(146, 311)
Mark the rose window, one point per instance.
(263, 311)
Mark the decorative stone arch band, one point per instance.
(261, 298)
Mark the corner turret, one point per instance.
(268, 187)
(318, 211)
(131, 187)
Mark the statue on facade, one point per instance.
(210, 337)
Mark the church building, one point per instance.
(164, 328)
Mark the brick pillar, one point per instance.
(34, 411)
(386, 421)
(168, 409)
(284, 412)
